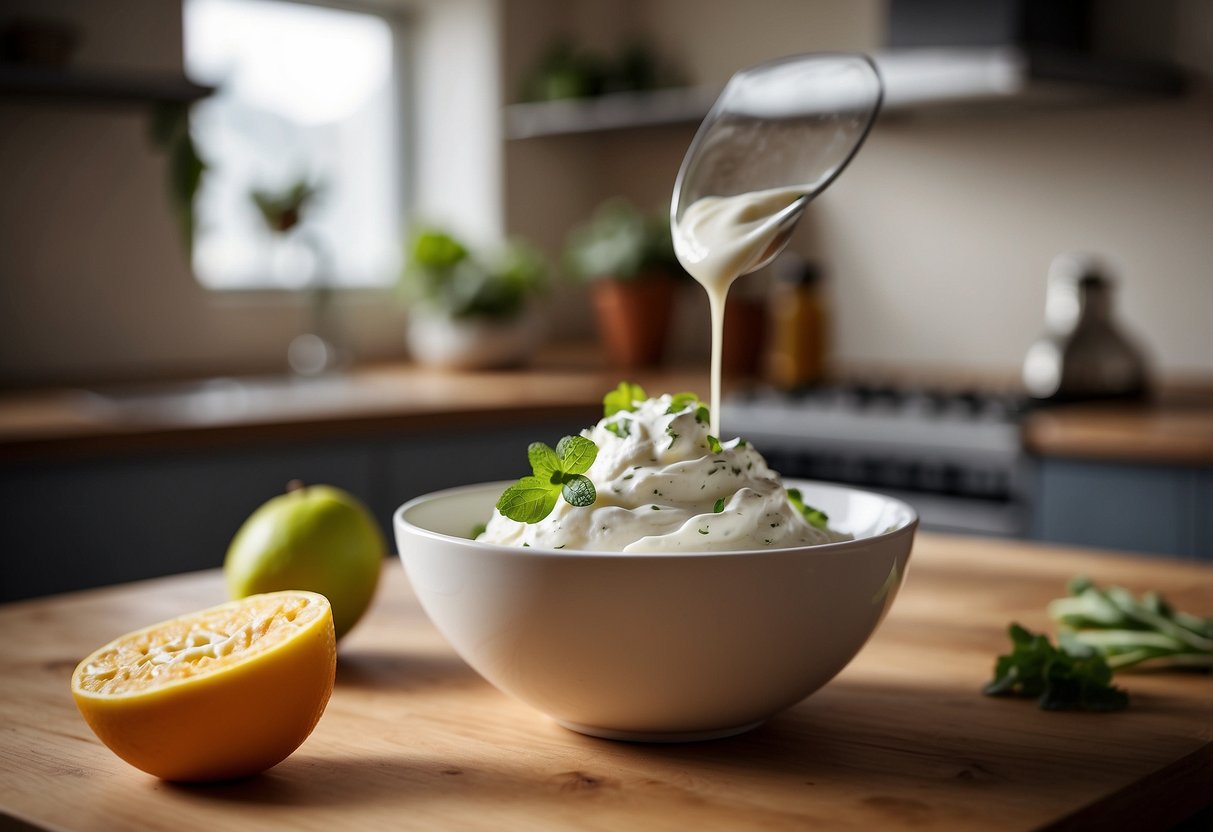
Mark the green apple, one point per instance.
(317, 538)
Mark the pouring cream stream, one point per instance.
(720, 238)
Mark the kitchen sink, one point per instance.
(246, 398)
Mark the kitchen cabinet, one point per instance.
(100, 487)
(71, 524)
(1132, 476)
(1145, 508)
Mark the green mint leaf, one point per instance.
(544, 461)
(714, 444)
(814, 517)
(681, 401)
(529, 500)
(623, 397)
(579, 491)
(702, 415)
(719, 507)
(576, 454)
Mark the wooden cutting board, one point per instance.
(413, 739)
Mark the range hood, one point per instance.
(1020, 52)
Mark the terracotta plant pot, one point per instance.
(634, 317)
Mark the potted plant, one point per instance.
(471, 310)
(627, 257)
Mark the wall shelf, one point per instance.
(97, 87)
(616, 111)
(917, 81)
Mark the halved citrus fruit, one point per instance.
(221, 693)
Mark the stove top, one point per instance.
(960, 451)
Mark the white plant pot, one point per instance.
(473, 343)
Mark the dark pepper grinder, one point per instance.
(1083, 354)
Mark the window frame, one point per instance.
(402, 23)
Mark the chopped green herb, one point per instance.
(555, 473)
(1074, 677)
(655, 508)
(719, 507)
(714, 444)
(702, 415)
(623, 397)
(561, 546)
(629, 476)
(703, 531)
(477, 530)
(741, 443)
(814, 517)
(673, 437)
(621, 428)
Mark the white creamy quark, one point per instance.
(720, 238)
(658, 486)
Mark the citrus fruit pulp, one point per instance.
(216, 694)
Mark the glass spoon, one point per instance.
(777, 136)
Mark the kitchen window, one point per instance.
(301, 141)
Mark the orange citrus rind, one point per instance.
(217, 694)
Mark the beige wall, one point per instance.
(938, 238)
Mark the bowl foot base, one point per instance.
(659, 736)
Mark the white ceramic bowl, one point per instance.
(652, 647)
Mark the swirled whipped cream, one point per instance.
(665, 485)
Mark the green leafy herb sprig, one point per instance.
(1070, 677)
(622, 399)
(627, 395)
(554, 474)
(815, 517)
(1129, 631)
(444, 276)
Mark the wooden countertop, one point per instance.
(368, 401)
(564, 384)
(1163, 433)
(413, 739)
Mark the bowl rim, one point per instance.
(400, 523)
